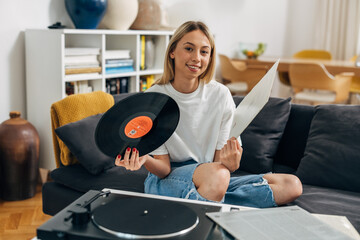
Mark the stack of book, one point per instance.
(117, 85)
(118, 61)
(146, 82)
(82, 60)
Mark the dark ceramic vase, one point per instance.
(86, 14)
(19, 158)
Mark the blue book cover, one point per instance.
(113, 70)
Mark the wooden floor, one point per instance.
(19, 219)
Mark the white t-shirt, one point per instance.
(205, 120)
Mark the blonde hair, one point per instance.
(169, 64)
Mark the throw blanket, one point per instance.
(71, 109)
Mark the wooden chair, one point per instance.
(311, 82)
(355, 86)
(314, 54)
(306, 54)
(355, 83)
(239, 77)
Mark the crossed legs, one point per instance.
(212, 181)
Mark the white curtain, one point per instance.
(338, 28)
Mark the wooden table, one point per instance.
(333, 66)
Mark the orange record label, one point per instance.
(138, 127)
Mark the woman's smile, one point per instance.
(193, 68)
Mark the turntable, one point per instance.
(125, 215)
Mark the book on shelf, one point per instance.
(69, 71)
(149, 81)
(117, 54)
(69, 88)
(77, 87)
(80, 76)
(114, 70)
(119, 63)
(124, 85)
(143, 85)
(73, 51)
(83, 59)
(146, 82)
(82, 65)
(113, 61)
(142, 52)
(117, 85)
(92, 65)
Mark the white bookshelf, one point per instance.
(45, 70)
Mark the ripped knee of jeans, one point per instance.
(264, 182)
(190, 192)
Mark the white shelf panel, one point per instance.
(116, 75)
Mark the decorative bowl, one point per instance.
(252, 50)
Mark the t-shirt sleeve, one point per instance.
(226, 121)
(162, 150)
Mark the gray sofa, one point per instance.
(321, 145)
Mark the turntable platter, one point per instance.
(135, 218)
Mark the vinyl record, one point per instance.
(143, 121)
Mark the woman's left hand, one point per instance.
(133, 162)
(230, 154)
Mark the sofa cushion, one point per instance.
(293, 142)
(261, 138)
(78, 178)
(332, 151)
(331, 201)
(79, 138)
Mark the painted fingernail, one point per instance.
(128, 149)
(119, 156)
(134, 149)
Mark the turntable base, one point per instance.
(99, 215)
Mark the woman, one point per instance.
(196, 161)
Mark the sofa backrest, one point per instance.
(119, 97)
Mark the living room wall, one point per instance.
(286, 26)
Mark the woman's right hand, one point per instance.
(230, 154)
(131, 160)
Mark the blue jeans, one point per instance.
(249, 190)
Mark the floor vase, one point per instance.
(19, 158)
